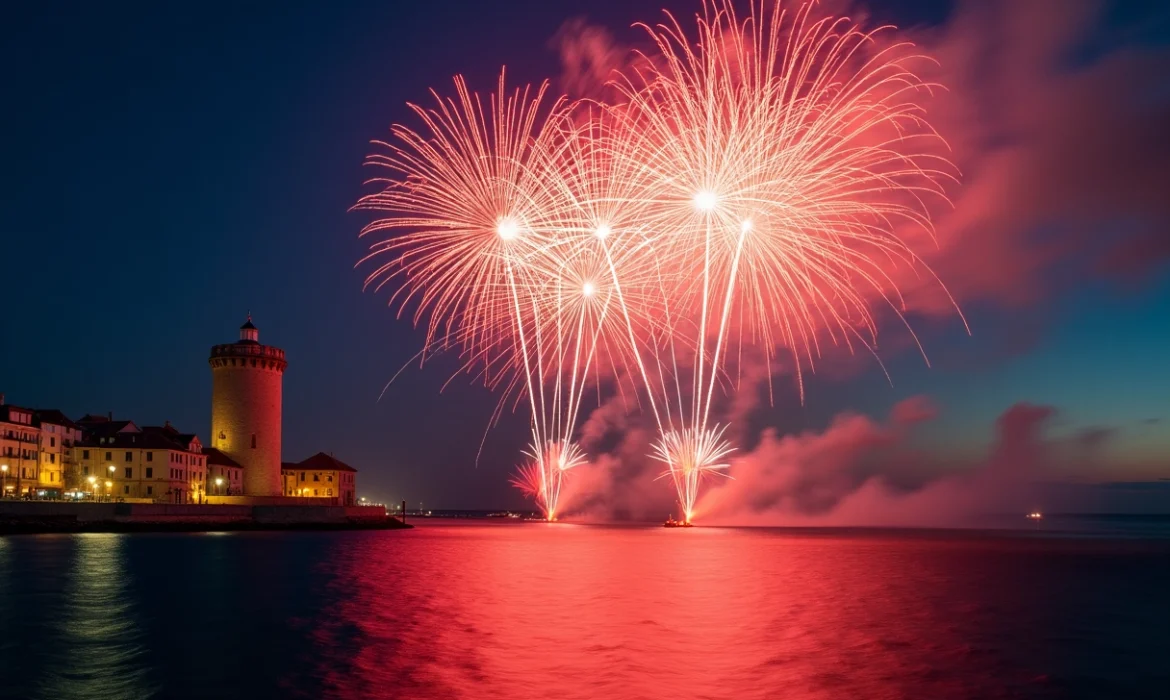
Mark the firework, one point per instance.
(780, 157)
(484, 253)
(751, 190)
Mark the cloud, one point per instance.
(1060, 135)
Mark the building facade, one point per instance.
(321, 476)
(57, 472)
(154, 463)
(19, 451)
(246, 393)
(225, 476)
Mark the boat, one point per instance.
(671, 522)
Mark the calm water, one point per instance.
(524, 610)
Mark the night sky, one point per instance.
(169, 167)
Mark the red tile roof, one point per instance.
(325, 463)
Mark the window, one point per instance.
(302, 476)
(328, 492)
(126, 489)
(315, 492)
(129, 472)
(52, 442)
(109, 456)
(129, 456)
(253, 441)
(150, 472)
(316, 477)
(149, 456)
(85, 471)
(52, 458)
(329, 478)
(149, 490)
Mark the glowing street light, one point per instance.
(4, 468)
(218, 484)
(93, 487)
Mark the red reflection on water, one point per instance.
(564, 611)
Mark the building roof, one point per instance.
(248, 324)
(107, 427)
(324, 463)
(7, 409)
(171, 432)
(214, 456)
(137, 441)
(53, 417)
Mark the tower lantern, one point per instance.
(248, 332)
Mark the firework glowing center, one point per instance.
(633, 274)
(706, 200)
(508, 229)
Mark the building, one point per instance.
(44, 454)
(57, 472)
(225, 476)
(123, 461)
(321, 476)
(19, 453)
(246, 385)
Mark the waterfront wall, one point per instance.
(283, 515)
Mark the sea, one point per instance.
(505, 608)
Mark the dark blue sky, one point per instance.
(169, 167)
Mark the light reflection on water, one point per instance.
(522, 610)
(94, 622)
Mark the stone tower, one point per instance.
(246, 383)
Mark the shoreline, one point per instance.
(18, 517)
(68, 527)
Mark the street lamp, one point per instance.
(4, 468)
(109, 488)
(93, 487)
(218, 484)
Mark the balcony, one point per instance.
(18, 437)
